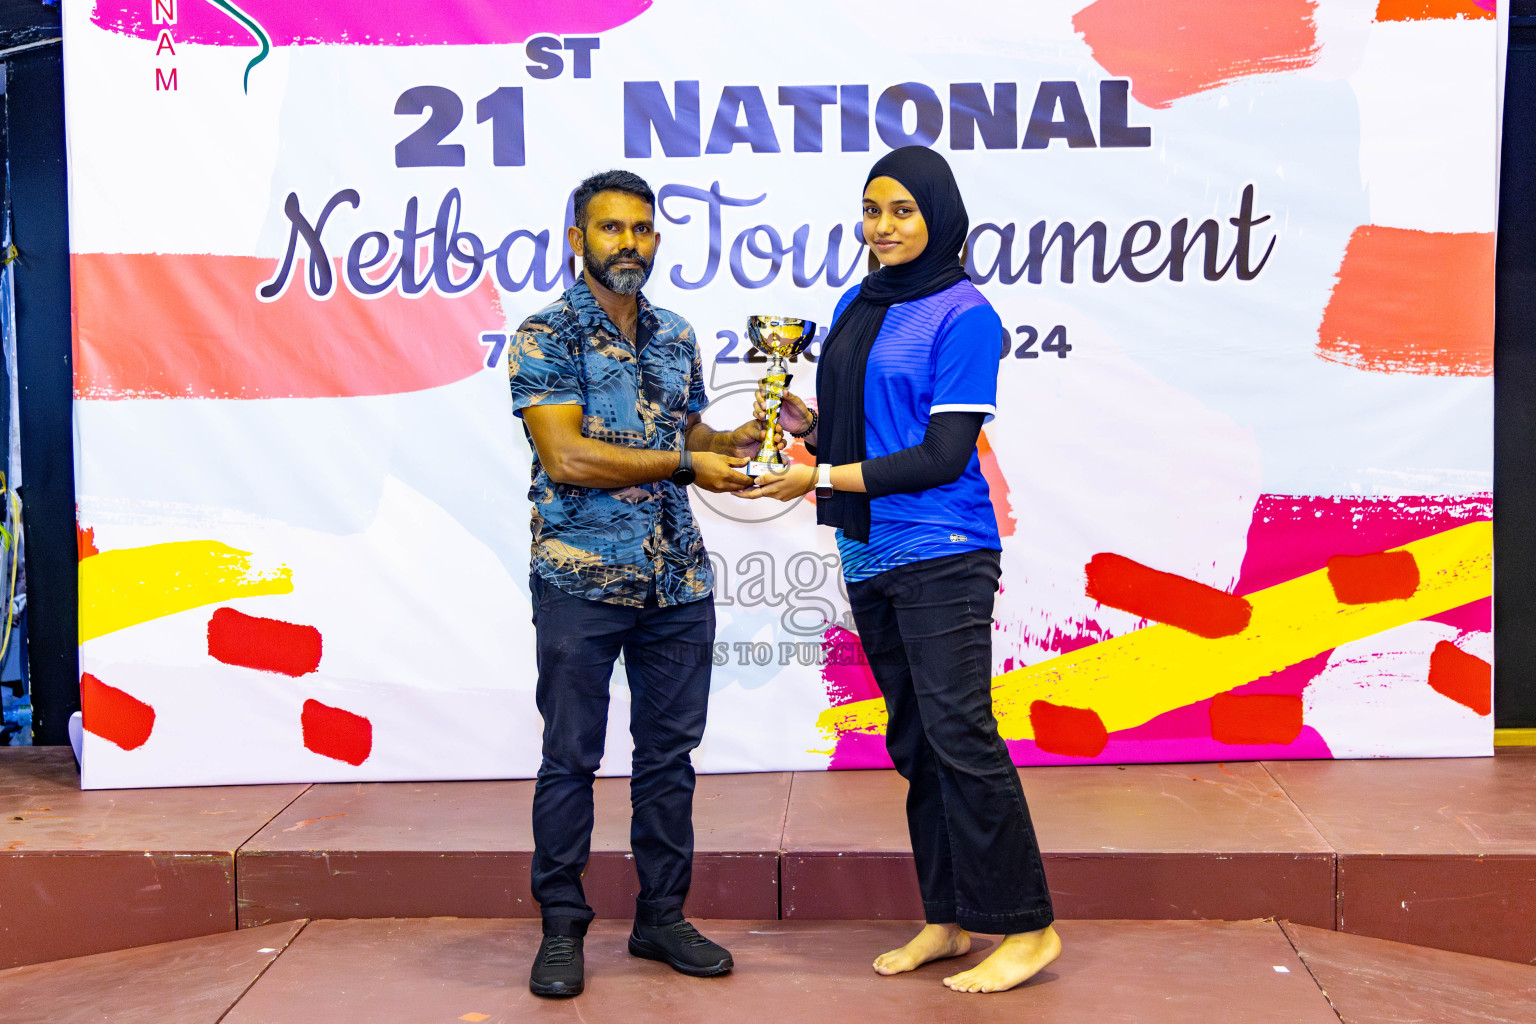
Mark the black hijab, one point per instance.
(845, 356)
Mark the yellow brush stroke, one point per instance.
(1131, 679)
(127, 586)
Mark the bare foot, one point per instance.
(934, 942)
(1015, 960)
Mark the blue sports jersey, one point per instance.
(934, 354)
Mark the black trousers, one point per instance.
(667, 659)
(927, 630)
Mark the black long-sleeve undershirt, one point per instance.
(937, 460)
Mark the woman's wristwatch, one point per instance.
(810, 427)
(824, 480)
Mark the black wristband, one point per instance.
(684, 475)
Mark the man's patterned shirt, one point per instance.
(595, 543)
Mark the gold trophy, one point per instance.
(779, 338)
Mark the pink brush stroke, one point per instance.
(1292, 535)
(1126, 748)
(1184, 734)
(371, 23)
(848, 679)
(1289, 536)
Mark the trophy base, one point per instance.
(756, 468)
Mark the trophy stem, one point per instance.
(780, 338)
(774, 384)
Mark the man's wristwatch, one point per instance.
(824, 480)
(684, 475)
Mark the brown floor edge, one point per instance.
(783, 847)
(263, 973)
(278, 814)
(234, 858)
(194, 980)
(247, 840)
(1310, 973)
(1375, 981)
(1338, 908)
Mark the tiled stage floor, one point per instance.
(1142, 841)
(88, 872)
(1438, 853)
(443, 969)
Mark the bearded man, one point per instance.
(610, 391)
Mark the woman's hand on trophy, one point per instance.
(793, 414)
(777, 441)
(793, 482)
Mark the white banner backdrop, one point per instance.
(1243, 462)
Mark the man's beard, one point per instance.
(621, 281)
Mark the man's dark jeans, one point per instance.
(927, 630)
(667, 659)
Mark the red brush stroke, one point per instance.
(1118, 582)
(372, 22)
(1294, 534)
(1255, 718)
(271, 645)
(85, 541)
(1426, 10)
(332, 732)
(1182, 47)
(1465, 678)
(154, 326)
(997, 486)
(1412, 302)
(113, 714)
(1071, 732)
(1369, 579)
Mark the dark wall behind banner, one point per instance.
(34, 126)
(1514, 375)
(34, 123)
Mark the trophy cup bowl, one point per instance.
(780, 338)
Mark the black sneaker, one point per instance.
(680, 946)
(557, 970)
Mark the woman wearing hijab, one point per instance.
(906, 378)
